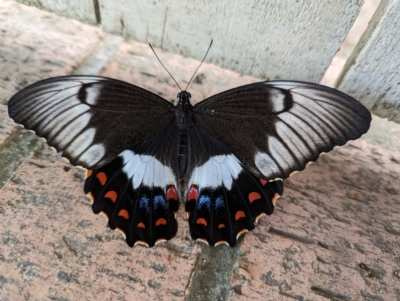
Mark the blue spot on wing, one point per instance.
(219, 202)
(144, 203)
(204, 201)
(160, 201)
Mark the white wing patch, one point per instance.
(92, 94)
(82, 142)
(93, 154)
(146, 170)
(266, 164)
(217, 171)
(278, 103)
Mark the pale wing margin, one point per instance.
(90, 118)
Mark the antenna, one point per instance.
(193, 73)
(199, 65)
(164, 67)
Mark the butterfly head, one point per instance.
(184, 97)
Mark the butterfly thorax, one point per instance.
(184, 120)
(183, 109)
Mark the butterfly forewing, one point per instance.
(276, 128)
(90, 119)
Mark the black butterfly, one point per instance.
(225, 157)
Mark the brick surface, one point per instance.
(35, 45)
(335, 234)
(335, 231)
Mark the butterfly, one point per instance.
(225, 157)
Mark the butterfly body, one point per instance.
(184, 119)
(224, 157)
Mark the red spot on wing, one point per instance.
(253, 196)
(239, 215)
(263, 182)
(101, 176)
(141, 225)
(112, 195)
(172, 194)
(221, 226)
(89, 172)
(161, 221)
(123, 213)
(201, 221)
(193, 193)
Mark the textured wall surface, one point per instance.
(84, 10)
(373, 72)
(334, 235)
(268, 39)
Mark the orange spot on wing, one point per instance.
(89, 173)
(141, 225)
(172, 194)
(239, 215)
(123, 213)
(263, 182)
(276, 196)
(101, 176)
(161, 221)
(253, 196)
(221, 226)
(112, 195)
(193, 193)
(201, 221)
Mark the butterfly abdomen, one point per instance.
(182, 159)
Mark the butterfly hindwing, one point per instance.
(276, 128)
(90, 119)
(224, 200)
(138, 195)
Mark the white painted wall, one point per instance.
(83, 10)
(286, 39)
(372, 74)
